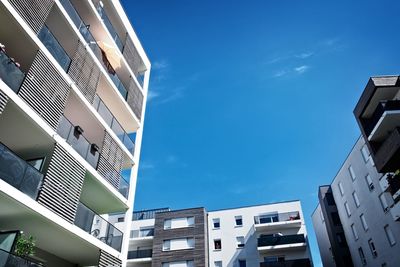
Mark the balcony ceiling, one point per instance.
(381, 93)
(389, 121)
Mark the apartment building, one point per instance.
(73, 88)
(270, 235)
(370, 231)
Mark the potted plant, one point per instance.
(25, 246)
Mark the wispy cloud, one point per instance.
(280, 73)
(304, 55)
(301, 69)
(175, 94)
(146, 166)
(159, 65)
(152, 95)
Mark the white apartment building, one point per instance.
(73, 89)
(270, 235)
(263, 235)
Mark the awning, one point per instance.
(112, 54)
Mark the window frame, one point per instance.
(356, 199)
(354, 231)
(238, 218)
(389, 235)
(364, 222)
(372, 248)
(352, 173)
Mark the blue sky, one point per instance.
(251, 101)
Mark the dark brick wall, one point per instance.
(199, 232)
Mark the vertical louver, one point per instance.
(62, 184)
(84, 72)
(3, 101)
(132, 56)
(135, 99)
(45, 90)
(34, 12)
(108, 260)
(111, 160)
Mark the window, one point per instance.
(240, 242)
(352, 173)
(217, 263)
(362, 256)
(238, 221)
(242, 263)
(372, 248)
(336, 218)
(364, 222)
(347, 207)
(121, 219)
(217, 244)
(385, 205)
(354, 230)
(269, 259)
(178, 264)
(370, 184)
(341, 188)
(216, 223)
(269, 218)
(356, 200)
(178, 244)
(390, 236)
(36, 163)
(178, 223)
(365, 153)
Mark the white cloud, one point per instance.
(301, 69)
(160, 65)
(280, 73)
(152, 95)
(305, 55)
(146, 166)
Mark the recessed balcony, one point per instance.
(11, 259)
(277, 221)
(287, 263)
(139, 256)
(385, 118)
(387, 155)
(276, 242)
(10, 72)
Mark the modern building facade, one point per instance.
(266, 235)
(370, 230)
(73, 88)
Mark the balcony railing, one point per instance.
(10, 72)
(123, 187)
(8, 259)
(278, 217)
(287, 263)
(108, 117)
(97, 226)
(54, 47)
(112, 175)
(394, 183)
(87, 35)
(383, 106)
(147, 214)
(140, 254)
(74, 136)
(109, 26)
(142, 233)
(280, 240)
(18, 173)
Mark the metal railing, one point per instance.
(74, 136)
(8, 259)
(140, 253)
(280, 240)
(87, 35)
(54, 47)
(142, 233)
(18, 173)
(10, 73)
(277, 217)
(287, 263)
(110, 27)
(97, 226)
(109, 118)
(147, 214)
(382, 106)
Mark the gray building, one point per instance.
(370, 231)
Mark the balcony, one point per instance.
(287, 263)
(109, 26)
(8, 259)
(140, 254)
(147, 214)
(74, 136)
(142, 237)
(387, 156)
(54, 47)
(10, 73)
(278, 242)
(18, 173)
(94, 224)
(111, 121)
(277, 221)
(383, 120)
(394, 185)
(142, 233)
